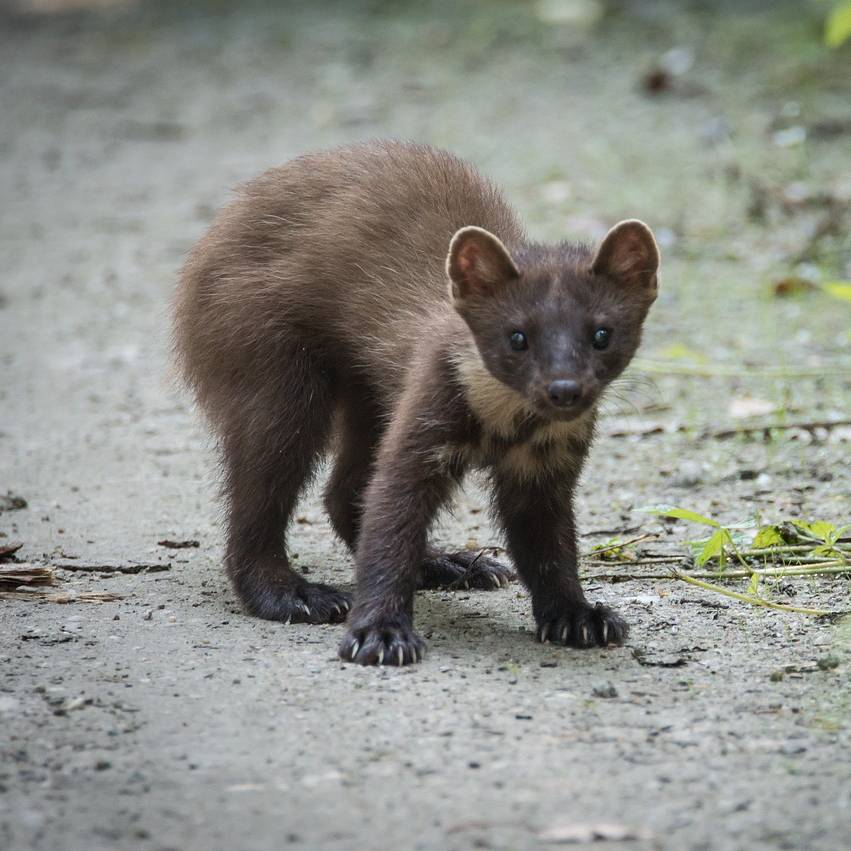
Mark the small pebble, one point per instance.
(689, 473)
(606, 690)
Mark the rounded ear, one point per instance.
(477, 264)
(629, 253)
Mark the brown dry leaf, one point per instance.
(14, 575)
(38, 595)
(793, 285)
(178, 545)
(8, 550)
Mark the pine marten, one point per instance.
(381, 302)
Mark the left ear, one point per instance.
(629, 254)
(478, 264)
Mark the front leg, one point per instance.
(537, 516)
(400, 504)
(410, 483)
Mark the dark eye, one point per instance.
(601, 338)
(518, 341)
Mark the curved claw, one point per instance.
(584, 627)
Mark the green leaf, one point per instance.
(768, 536)
(714, 547)
(826, 550)
(838, 25)
(753, 585)
(838, 289)
(613, 550)
(682, 514)
(820, 529)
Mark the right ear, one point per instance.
(477, 264)
(629, 253)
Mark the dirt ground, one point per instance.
(168, 719)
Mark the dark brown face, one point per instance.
(555, 324)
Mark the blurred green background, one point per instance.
(726, 126)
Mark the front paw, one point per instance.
(584, 626)
(382, 644)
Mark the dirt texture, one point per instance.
(167, 719)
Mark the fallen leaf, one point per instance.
(8, 550)
(14, 575)
(178, 545)
(793, 285)
(670, 661)
(62, 598)
(746, 406)
(11, 502)
(566, 834)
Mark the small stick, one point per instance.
(646, 536)
(747, 598)
(641, 561)
(825, 569)
(113, 567)
(787, 548)
(468, 571)
(722, 433)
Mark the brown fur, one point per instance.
(317, 307)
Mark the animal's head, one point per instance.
(555, 324)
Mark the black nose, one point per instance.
(564, 392)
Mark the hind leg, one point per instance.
(358, 436)
(271, 444)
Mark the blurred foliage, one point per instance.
(839, 289)
(838, 25)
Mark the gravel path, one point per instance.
(169, 720)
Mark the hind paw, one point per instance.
(316, 603)
(465, 569)
(296, 601)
